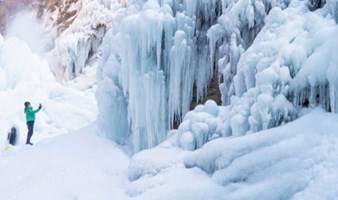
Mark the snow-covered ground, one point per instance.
(73, 166)
(295, 161)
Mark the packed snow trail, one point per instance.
(74, 166)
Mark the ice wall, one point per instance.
(164, 53)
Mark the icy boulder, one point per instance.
(211, 107)
(199, 126)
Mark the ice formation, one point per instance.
(289, 66)
(161, 53)
(200, 126)
(283, 70)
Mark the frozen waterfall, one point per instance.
(157, 56)
(160, 56)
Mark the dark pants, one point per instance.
(30, 126)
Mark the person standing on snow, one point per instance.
(30, 119)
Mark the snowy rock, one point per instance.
(211, 108)
(187, 141)
(200, 126)
(80, 37)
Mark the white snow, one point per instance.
(79, 166)
(280, 163)
(295, 161)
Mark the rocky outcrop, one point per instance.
(62, 13)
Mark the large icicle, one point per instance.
(143, 41)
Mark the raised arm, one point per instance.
(37, 110)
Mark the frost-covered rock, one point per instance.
(211, 107)
(200, 126)
(187, 141)
(79, 41)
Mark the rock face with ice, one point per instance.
(78, 28)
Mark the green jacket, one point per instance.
(30, 114)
